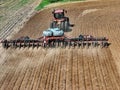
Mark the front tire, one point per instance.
(62, 26)
(53, 25)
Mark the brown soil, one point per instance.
(64, 68)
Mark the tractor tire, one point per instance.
(4, 45)
(67, 19)
(53, 25)
(66, 26)
(62, 26)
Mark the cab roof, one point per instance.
(59, 11)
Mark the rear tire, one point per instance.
(62, 26)
(53, 25)
(4, 45)
(66, 26)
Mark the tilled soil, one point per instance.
(67, 68)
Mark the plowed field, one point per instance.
(67, 68)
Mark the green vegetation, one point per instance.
(46, 2)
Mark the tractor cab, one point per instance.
(58, 14)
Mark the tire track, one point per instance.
(62, 80)
(81, 70)
(97, 81)
(69, 71)
(103, 83)
(74, 70)
(104, 70)
(111, 71)
(10, 74)
(56, 72)
(37, 79)
(34, 66)
(26, 75)
(41, 71)
(92, 71)
(48, 79)
(86, 71)
(51, 72)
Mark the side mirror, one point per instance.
(53, 11)
(65, 11)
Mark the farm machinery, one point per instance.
(60, 20)
(56, 38)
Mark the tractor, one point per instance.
(60, 20)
